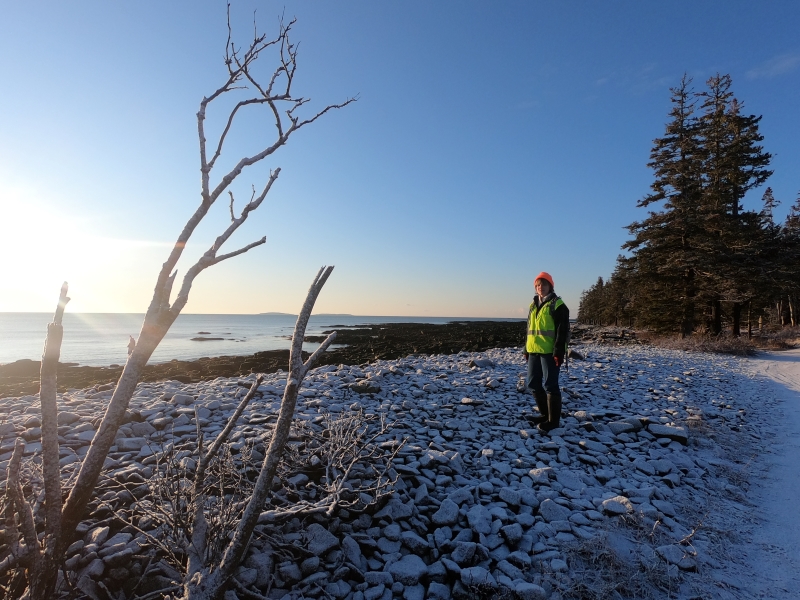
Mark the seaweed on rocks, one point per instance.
(362, 345)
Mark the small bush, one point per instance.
(722, 344)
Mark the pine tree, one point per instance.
(665, 243)
(734, 163)
(790, 253)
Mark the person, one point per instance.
(545, 349)
(131, 345)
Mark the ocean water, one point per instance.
(97, 339)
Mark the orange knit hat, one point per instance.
(546, 277)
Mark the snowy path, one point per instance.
(774, 553)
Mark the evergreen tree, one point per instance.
(734, 163)
(790, 253)
(666, 242)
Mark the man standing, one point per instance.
(545, 348)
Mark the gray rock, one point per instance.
(392, 532)
(519, 559)
(481, 363)
(67, 418)
(594, 446)
(262, 563)
(512, 533)
(447, 513)
(290, 572)
(618, 427)
(119, 538)
(442, 536)
(396, 510)
(98, 535)
(387, 546)
(604, 475)
(540, 476)
(408, 570)
(552, 511)
(319, 540)
(462, 553)
(378, 578)
(130, 444)
(372, 593)
(352, 551)
(664, 506)
(474, 576)
(480, 520)
(528, 498)
(338, 589)
(569, 480)
(510, 496)
(529, 591)
(182, 399)
(142, 429)
(309, 565)
(119, 558)
(365, 387)
(644, 466)
(438, 591)
(678, 434)
(413, 542)
(558, 565)
(414, 592)
(662, 466)
(461, 495)
(94, 569)
(510, 570)
(618, 505)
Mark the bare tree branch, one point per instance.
(20, 504)
(60, 527)
(208, 583)
(47, 395)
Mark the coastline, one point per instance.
(651, 441)
(363, 344)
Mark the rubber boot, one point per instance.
(541, 404)
(553, 412)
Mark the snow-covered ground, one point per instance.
(673, 475)
(765, 559)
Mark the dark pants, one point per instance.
(542, 367)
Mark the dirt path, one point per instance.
(773, 554)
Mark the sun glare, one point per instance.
(44, 247)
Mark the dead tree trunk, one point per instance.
(278, 97)
(207, 582)
(736, 319)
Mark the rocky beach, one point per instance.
(643, 492)
(355, 345)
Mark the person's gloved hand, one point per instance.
(525, 356)
(559, 360)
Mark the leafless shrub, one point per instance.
(598, 571)
(338, 461)
(722, 344)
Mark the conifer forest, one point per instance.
(699, 262)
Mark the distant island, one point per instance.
(281, 314)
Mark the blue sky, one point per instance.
(490, 141)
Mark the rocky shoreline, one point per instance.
(632, 497)
(362, 345)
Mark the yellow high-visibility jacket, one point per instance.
(542, 327)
